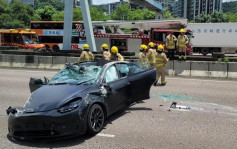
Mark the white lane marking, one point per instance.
(219, 81)
(35, 71)
(105, 135)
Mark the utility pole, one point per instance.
(67, 29)
(87, 24)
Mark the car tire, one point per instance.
(95, 119)
(56, 49)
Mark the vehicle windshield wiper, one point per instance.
(84, 81)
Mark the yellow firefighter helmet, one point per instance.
(114, 49)
(160, 48)
(104, 46)
(151, 44)
(86, 46)
(143, 47)
(182, 30)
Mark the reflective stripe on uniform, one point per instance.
(159, 59)
(159, 65)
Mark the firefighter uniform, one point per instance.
(115, 56)
(170, 44)
(182, 44)
(143, 58)
(86, 55)
(105, 50)
(161, 61)
(151, 54)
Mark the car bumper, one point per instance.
(46, 124)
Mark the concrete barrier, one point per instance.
(232, 70)
(45, 62)
(199, 69)
(170, 68)
(218, 70)
(173, 68)
(182, 68)
(72, 59)
(59, 60)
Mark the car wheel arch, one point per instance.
(102, 106)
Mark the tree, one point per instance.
(121, 12)
(232, 17)
(215, 17)
(229, 7)
(167, 14)
(97, 15)
(15, 14)
(148, 14)
(124, 13)
(46, 13)
(57, 4)
(77, 15)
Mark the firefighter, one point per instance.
(170, 44)
(182, 44)
(161, 61)
(106, 53)
(86, 55)
(151, 54)
(142, 56)
(115, 56)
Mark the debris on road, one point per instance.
(175, 106)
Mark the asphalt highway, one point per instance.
(210, 123)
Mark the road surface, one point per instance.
(210, 123)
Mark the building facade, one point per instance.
(191, 8)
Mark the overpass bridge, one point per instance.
(150, 4)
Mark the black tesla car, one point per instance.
(78, 99)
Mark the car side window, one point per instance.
(110, 74)
(133, 69)
(123, 69)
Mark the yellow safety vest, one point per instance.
(87, 57)
(152, 57)
(182, 41)
(144, 59)
(170, 42)
(160, 62)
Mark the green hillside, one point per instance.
(230, 7)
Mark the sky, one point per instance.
(99, 2)
(228, 0)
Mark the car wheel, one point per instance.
(56, 49)
(95, 119)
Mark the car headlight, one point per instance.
(69, 107)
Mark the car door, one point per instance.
(140, 82)
(119, 90)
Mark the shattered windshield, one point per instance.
(74, 74)
(30, 38)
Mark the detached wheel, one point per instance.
(95, 119)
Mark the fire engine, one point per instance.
(145, 32)
(22, 38)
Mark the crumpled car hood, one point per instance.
(49, 97)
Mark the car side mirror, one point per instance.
(34, 84)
